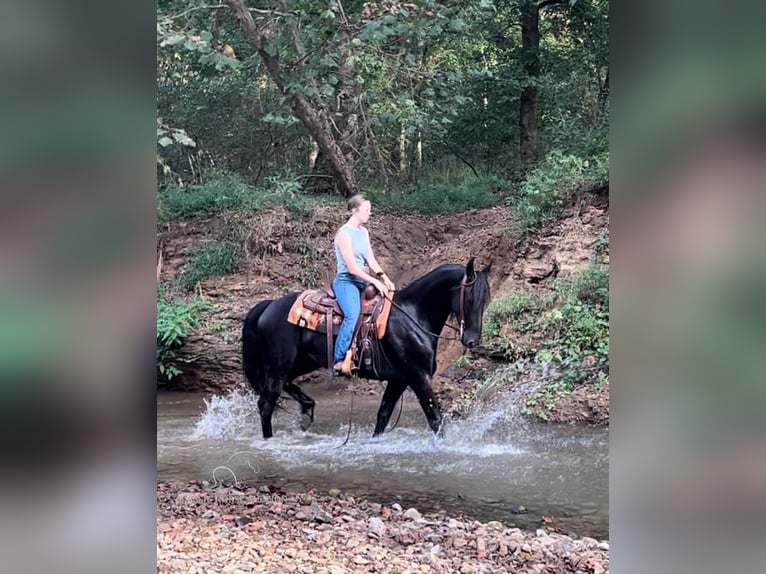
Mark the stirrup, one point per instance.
(336, 372)
(346, 366)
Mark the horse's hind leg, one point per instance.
(267, 401)
(393, 392)
(425, 394)
(306, 402)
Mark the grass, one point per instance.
(442, 196)
(212, 260)
(224, 191)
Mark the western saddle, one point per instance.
(328, 314)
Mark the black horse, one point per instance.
(275, 352)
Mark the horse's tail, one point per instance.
(250, 363)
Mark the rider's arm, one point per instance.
(373, 264)
(343, 241)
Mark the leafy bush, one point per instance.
(543, 193)
(546, 397)
(443, 197)
(517, 307)
(212, 260)
(518, 312)
(577, 329)
(590, 285)
(174, 319)
(574, 331)
(570, 327)
(601, 248)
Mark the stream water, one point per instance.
(486, 466)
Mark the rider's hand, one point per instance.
(389, 283)
(381, 287)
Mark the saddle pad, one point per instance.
(309, 319)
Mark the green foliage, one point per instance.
(601, 248)
(578, 331)
(309, 272)
(519, 308)
(569, 328)
(495, 382)
(510, 323)
(225, 191)
(462, 361)
(174, 319)
(459, 97)
(546, 397)
(443, 197)
(169, 37)
(589, 285)
(169, 136)
(544, 192)
(212, 260)
(222, 191)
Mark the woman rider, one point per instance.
(353, 250)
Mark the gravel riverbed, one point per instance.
(238, 529)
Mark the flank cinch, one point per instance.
(315, 309)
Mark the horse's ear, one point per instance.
(487, 269)
(469, 271)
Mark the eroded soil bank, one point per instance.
(278, 261)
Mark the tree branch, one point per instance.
(221, 6)
(314, 120)
(546, 3)
(302, 50)
(465, 161)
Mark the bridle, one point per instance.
(463, 284)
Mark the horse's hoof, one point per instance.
(306, 421)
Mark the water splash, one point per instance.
(230, 416)
(485, 434)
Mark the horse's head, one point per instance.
(469, 301)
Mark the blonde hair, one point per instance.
(356, 201)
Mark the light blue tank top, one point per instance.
(360, 245)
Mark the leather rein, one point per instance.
(463, 284)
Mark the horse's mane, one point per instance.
(426, 282)
(413, 293)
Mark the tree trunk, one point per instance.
(320, 180)
(344, 122)
(419, 151)
(313, 153)
(402, 152)
(603, 98)
(530, 56)
(315, 121)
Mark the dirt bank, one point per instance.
(259, 529)
(285, 253)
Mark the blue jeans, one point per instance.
(348, 291)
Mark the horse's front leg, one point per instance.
(391, 395)
(425, 394)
